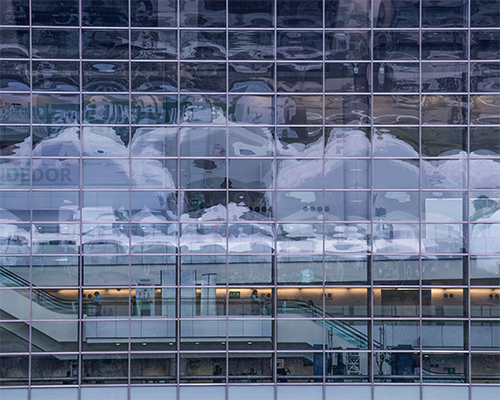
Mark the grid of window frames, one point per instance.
(228, 199)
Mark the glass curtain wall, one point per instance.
(228, 199)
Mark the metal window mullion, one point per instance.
(180, 198)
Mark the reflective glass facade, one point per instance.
(235, 200)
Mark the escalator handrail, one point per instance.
(66, 306)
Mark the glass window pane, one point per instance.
(300, 142)
(401, 302)
(444, 174)
(251, 174)
(64, 333)
(153, 368)
(154, 13)
(444, 77)
(203, 13)
(342, 238)
(152, 45)
(104, 368)
(154, 142)
(252, 206)
(439, 14)
(300, 392)
(485, 45)
(444, 270)
(288, 178)
(348, 110)
(56, 76)
(251, 45)
(15, 108)
(15, 373)
(105, 109)
(14, 12)
(397, 367)
(154, 174)
(203, 142)
(252, 15)
(396, 77)
(302, 270)
(203, 45)
(207, 392)
(299, 45)
(56, 173)
(444, 110)
(485, 141)
(444, 45)
(484, 335)
(251, 77)
(484, 303)
(15, 173)
(251, 142)
(105, 14)
(484, 110)
(299, 110)
(444, 335)
(300, 238)
(484, 270)
(398, 206)
(440, 142)
(14, 140)
(102, 269)
(202, 77)
(55, 43)
(14, 43)
(56, 109)
(154, 77)
(401, 15)
(209, 368)
(105, 141)
(101, 173)
(251, 109)
(300, 77)
(450, 367)
(485, 77)
(14, 335)
(352, 302)
(396, 174)
(395, 270)
(345, 269)
(300, 14)
(347, 77)
(56, 141)
(351, 14)
(396, 45)
(105, 77)
(101, 44)
(485, 368)
(444, 303)
(14, 76)
(49, 206)
(484, 174)
(154, 109)
(347, 45)
(64, 13)
(395, 142)
(248, 269)
(392, 333)
(396, 110)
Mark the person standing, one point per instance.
(98, 303)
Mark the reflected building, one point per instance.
(277, 199)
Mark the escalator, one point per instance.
(41, 297)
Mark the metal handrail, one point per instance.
(40, 296)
